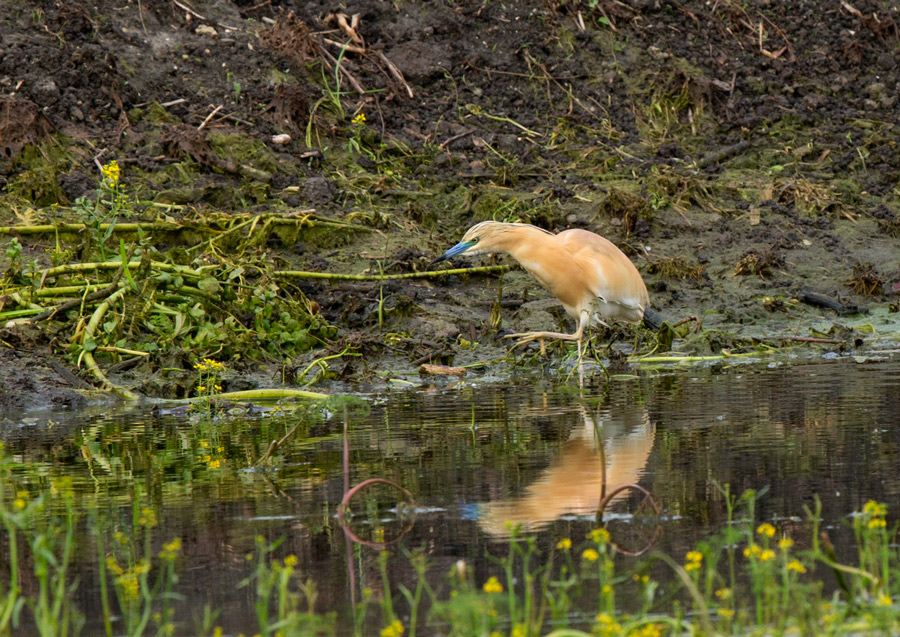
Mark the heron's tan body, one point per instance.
(590, 276)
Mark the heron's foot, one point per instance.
(523, 338)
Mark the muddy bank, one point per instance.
(740, 155)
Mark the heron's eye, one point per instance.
(475, 240)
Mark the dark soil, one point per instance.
(741, 153)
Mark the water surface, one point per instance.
(478, 461)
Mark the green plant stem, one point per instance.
(88, 358)
(13, 314)
(321, 362)
(262, 394)
(11, 602)
(104, 586)
(65, 290)
(115, 265)
(300, 274)
(703, 609)
(80, 227)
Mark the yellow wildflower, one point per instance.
(394, 630)
(367, 592)
(360, 119)
(599, 535)
(590, 555)
(766, 555)
(885, 600)
(213, 364)
(766, 529)
(875, 509)
(112, 565)
(111, 172)
(877, 523)
(795, 565)
(727, 613)
(290, 560)
(723, 593)
(171, 549)
(752, 551)
(606, 625)
(694, 558)
(517, 631)
(201, 387)
(650, 630)
(603, 618)
(785, 543)
(129, 584)
(147, 518)
(564, 544)
(492, 586)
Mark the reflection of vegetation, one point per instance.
(747, 577)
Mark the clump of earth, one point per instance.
(744, 155)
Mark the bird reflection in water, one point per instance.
(610, 448)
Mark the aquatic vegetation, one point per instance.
(748, 577)
(208, 385)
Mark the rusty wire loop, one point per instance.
(648, 498)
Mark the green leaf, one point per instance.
(124, 256)
(209, 285)
(179, 324)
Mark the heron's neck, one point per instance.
(521, 242)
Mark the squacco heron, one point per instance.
(591, 277)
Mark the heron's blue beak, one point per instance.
(456, 250)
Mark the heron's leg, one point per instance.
(583, 323)
(523, 338)
(580, 365)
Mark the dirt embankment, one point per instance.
(740, 153)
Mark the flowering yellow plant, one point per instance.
(492, 586)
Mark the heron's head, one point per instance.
(487, 236)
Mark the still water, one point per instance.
(476, 461)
